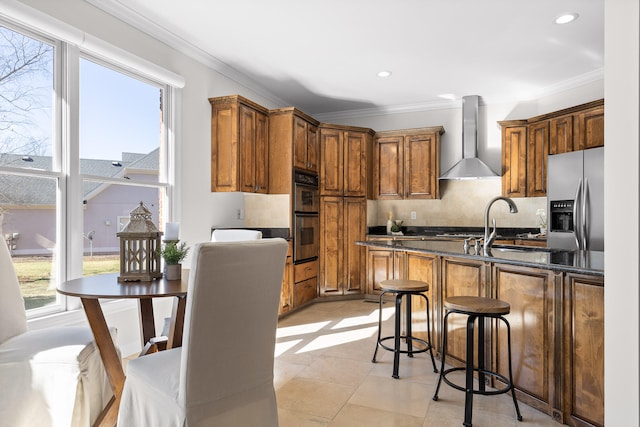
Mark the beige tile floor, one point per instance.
(324, 377)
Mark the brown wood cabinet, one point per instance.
(342, 263)
(583, 355)
(293, 143)
(305, 288)
(514, 158)
(239, 145)
(531, 294)
(424, 267)
(526, 145)
(345, 168)
(556, 318)
(407, 164)
(537, 153)
(286, 293)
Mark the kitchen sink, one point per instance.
(520, 248)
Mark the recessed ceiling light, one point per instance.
(384, 73)
(566, 18)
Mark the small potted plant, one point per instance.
(173, 253)
(542, 221)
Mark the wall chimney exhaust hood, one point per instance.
(470, 167)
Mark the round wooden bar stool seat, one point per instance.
(477, 305)
(476, 308)
(404, 289)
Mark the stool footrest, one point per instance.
(477, 391)
(426, 348)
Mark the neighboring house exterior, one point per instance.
(28, 204)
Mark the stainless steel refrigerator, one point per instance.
(575, 200)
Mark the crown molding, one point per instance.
(142, 23)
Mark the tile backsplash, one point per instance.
(462, 203)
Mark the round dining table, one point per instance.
(91, 289)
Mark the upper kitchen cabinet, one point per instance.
(296, 135)
(526, 144)
(589, 127)
(239, 145)
(346, 154)
(293, 139)
(407, 164)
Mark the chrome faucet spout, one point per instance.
(489, 237)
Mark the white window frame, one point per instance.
(65, 142)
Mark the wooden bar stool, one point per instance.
(406, 289)
(476, 308)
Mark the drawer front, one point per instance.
(305, 271)
(305, 291)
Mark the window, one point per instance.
(70, 172)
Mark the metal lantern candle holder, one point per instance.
(139, 248)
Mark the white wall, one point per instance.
(622, 189)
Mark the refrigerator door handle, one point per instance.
(577, 212)
(585, 216)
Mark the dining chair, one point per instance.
(223, 373)
(235, 235)
(48, 377)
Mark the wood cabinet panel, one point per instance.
(305, 291)
(583, 332)
(380, 266)
(286, 293)
(422, 160)
(460, 277)
(537, 153)
(356, 148)
(305, 145)
(224, 147)
(355, 224)
(331, 244)
(389, 167)
(561, 135)
(530, 292)
(342, 262)
(331, 167)
(424, 267)
(589, 129)
(239, 145)
(514, 160)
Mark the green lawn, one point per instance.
(34, 274)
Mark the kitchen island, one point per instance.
(557, 314)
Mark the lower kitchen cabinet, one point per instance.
(424, 267)
(342, 262)
(305, 287)
(556, 318)
(460, 277)
(583, 355)
(531, 293)
(286, 293)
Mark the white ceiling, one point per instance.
(323, 56)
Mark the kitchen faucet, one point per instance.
(490, 237)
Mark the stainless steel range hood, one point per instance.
(470, 167)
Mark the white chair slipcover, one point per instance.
(223, 373)
(235, 235)
(48, 377)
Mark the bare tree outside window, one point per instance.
(26, 86)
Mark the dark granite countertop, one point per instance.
(459, 232)
(583, 262)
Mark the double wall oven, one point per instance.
(305, 212)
